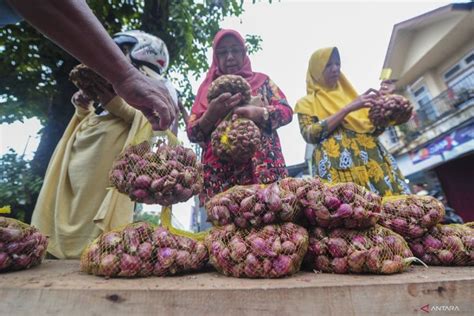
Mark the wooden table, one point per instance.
(58, 288)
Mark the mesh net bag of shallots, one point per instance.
(21, 246)
(389, 110)
(376, 250)
(252, 206)
(271, 251)
(141, 250)
(162, 172)
(343, 204)
(234, 139)
(411, 215)
(446, 245)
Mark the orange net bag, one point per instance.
(389, 110)
(252, 206)
(161, 173)
(142, 250)
(21, 246)
(446, 245)
(376, 250)
(340, 205)
(272, 251)
(411, 215)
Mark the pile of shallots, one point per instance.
(344, 237)
(269, 252)
(411, 215)
(376, 250)
(446, 245)
(389, 110)
(417, 219)
(236, 140)
(253, 236)
(141, 250)
(252, 206)
(21, 246)
(165, 176)
(340, 205)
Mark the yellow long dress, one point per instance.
(75, 204)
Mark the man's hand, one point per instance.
(149, 96)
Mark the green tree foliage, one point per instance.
(18, 186)
(146, 217)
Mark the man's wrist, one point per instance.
(124, 74)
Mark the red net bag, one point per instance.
(446, 245)
(410, 215)
(141, 250)
(252, 206)
(341, 205)
(21, 246)
(162, 173)
(272, 251)
(389, 110)
(376, 250)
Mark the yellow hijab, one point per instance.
(323, 102)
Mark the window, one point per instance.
(450, 73)
(419, 91)
(459, 68)
(422, 96)
(469, 59)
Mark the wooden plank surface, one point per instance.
(58, 287)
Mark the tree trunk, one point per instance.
(154, 20)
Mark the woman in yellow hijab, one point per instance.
(334, 118)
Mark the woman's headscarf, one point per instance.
(323, 102)
(255, 79)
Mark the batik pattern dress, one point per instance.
(347, 156)
(266, 166)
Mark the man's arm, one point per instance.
(72, 25)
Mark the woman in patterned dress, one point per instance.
(267, 165)
(335, 118)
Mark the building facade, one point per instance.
(432, 58)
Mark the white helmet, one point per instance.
(145, 49)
